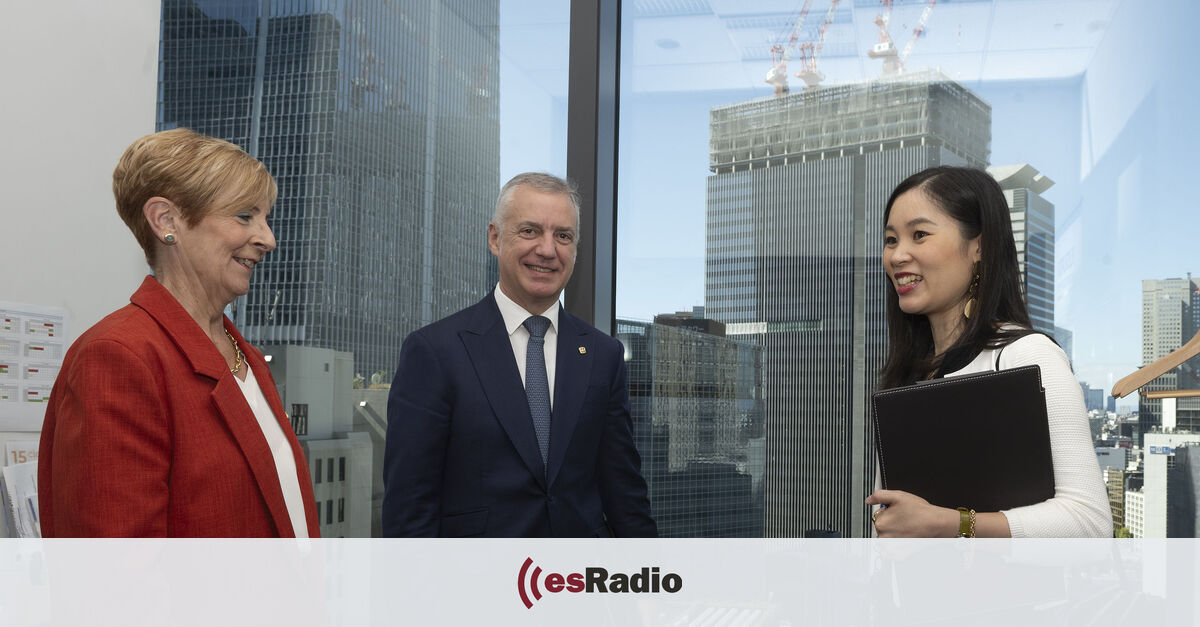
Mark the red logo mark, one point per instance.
(537, 571)
(553, 582)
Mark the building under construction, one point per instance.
(922, 109)
(794, 242)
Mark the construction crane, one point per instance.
(777, 75)
(918, 30)
(893, 60)
(810, 52)
(885, 49)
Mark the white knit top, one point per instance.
(1080, 505)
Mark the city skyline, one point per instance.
(1121, 219)
(359, 95)
(1107, 344)
(1111, 131)
(1114, 133)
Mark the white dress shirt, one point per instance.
(514, 318)
(281, 451)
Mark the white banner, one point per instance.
(598, 582)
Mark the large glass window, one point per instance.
(758, 144)
(758, 141)
(389, 127)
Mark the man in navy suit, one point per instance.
(511, 417)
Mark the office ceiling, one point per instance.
(690, 45)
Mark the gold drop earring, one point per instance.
(972, 302)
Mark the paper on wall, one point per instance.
(33, 341)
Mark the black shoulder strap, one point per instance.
(1029, 332)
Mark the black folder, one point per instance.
(978, 440)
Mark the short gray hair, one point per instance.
(542, 182)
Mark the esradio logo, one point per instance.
(531, 581)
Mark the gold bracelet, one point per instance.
(966, 523)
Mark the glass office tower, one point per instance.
(794, 242)
(1033, 231)
(696, 402)
(380, 122)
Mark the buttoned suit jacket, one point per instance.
(147, 433)
(462, 458)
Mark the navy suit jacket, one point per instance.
(462, 458)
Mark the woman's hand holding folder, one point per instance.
(906, 515)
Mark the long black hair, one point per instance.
(976, 202)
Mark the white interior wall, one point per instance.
(80, 79)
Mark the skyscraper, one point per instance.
(696, 399)
(794, 241)
(1135, 509)
(380, 122)
(1183, 487)
(1159, 457)
(1168, 321)
(1033, 230)
(1114, 482)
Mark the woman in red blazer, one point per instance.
(163, 420)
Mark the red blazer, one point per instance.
(148, 434)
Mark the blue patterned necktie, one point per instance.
(537, 384)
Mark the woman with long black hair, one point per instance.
(955, 307)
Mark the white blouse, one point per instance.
(281, 450)
(1080, 505)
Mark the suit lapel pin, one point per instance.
(582, 350)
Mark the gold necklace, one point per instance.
(237, 363)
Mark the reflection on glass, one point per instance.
(794, 239)
(696, 399)
(759, 141)
(381, 122)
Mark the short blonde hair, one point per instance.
(192, 171)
